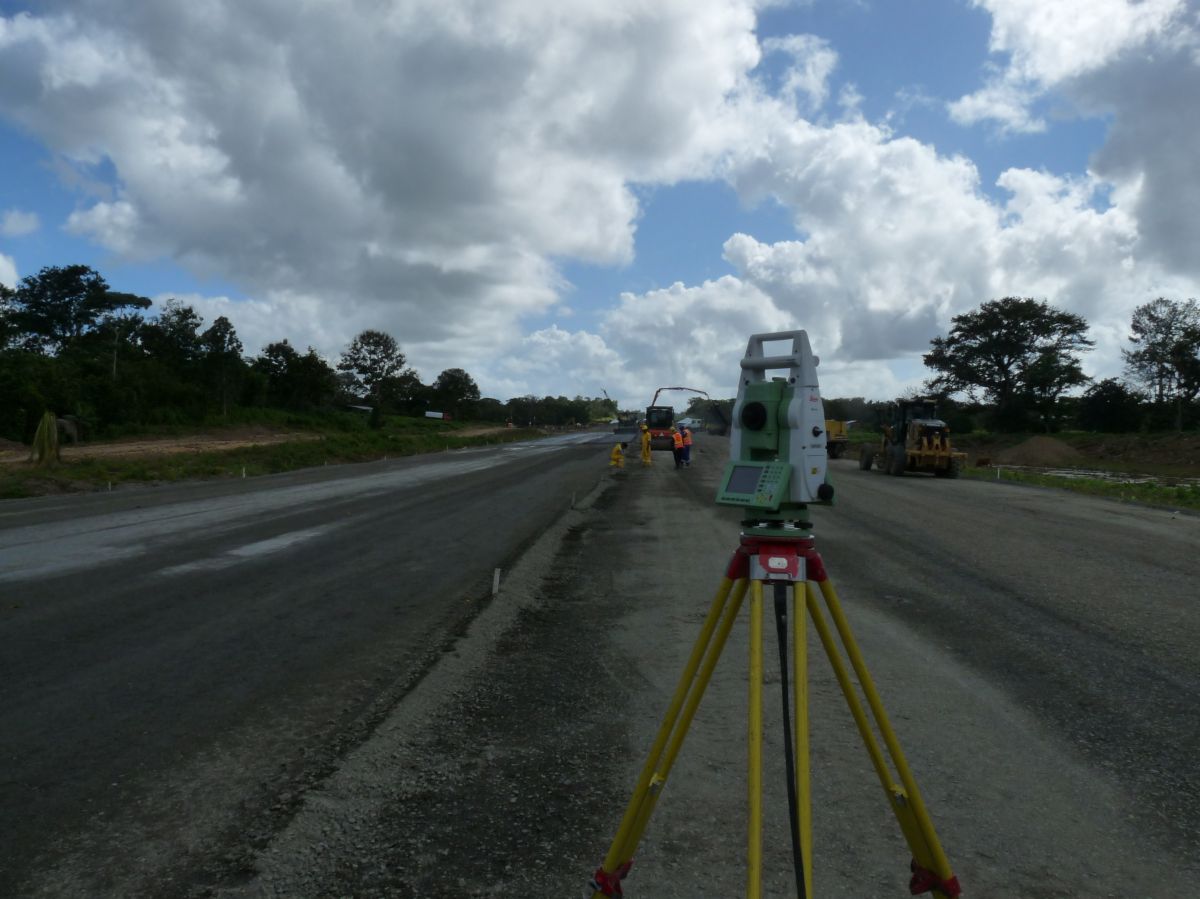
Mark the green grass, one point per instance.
(327, 443)
(1154, 455)
(1174, 497)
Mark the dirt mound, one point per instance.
(1039, 450)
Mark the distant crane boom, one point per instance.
(654, 401)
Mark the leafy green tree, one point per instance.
(1019, 353)
(1156, 329)
(371, 359)
(276, 359)
(555, 411)
(601, 408)
(29, 383)
(278, 363)
(7, 328)
(221, 361)
(1166, 338)
(315, 382)
(491, 409)
(1111, 407)
(59, 305)
(1047, 379)
(403, 392)
(522, 410)
(174, 337)
(1185, 358)
(456, 392)
(107, 339)
(295, 381)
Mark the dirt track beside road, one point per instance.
(163, 446)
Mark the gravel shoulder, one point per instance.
(506, 770)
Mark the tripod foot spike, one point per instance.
(605, 883)
(925, 881)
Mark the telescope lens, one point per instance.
(754, 416)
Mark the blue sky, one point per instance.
(613, 196)
(31, 183)
(906, 66)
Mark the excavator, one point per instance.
(660, 418)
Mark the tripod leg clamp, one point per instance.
(607, 884)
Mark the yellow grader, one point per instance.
(915, 440)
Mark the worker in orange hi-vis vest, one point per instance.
(677, 446)
(687, 446)
(617, 458)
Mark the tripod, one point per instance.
(785, 556)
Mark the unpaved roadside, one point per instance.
(163, 446)
(505, 772)
(233, 438)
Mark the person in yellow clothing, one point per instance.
(645, 446)
(617, 458)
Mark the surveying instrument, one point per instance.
(777, 468)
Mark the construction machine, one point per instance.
(660, 418)
(837, 437)
(915, 440)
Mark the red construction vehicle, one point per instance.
(660, 418)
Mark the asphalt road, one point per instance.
(1036, 652)
(180, 664)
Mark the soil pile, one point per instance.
(1175, 450)
(1040, 451)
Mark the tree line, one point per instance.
(71, 345)
(1014, 365)
(1017, 363)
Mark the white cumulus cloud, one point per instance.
(806, 80)
(18, 223)
(417, 164)
(1050, 42)
(1135, 63)
(1049, 45)
(8, 271)
(427, 166)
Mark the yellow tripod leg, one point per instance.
(754, 742)
(800, 716)
(713, 656)
(689, 691)
(906, 802)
